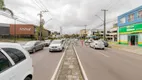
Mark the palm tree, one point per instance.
(3, 8)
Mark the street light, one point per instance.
(15, 34)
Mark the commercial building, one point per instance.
(84, 32)
(4, 29)
(22, 29)
(100, 33)
(130, 27)
(113, 34)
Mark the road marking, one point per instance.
(104, 54)
(82, 69)
(58, 66)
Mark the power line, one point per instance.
(37, 4)
(43, 5)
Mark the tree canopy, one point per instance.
(3, 8)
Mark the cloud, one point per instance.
(70, 14)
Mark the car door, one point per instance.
(6, 73)
(19, 68)
(36, 46)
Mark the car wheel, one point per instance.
(103, 48)
(34, 50)
(27, 78)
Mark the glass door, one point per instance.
(129, 39)
(136, 41)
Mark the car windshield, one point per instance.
(47, 40)
(56, 42)
(31, 43)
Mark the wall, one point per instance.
(125, 15)
(140, 39)
(22, 29)
(124, 39)
(4, 31)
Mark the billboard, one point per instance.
(21, 29)
(131, 29)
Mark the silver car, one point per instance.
(33, 46)
(56, 45)
(47, 42)
(98, 44)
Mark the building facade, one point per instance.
(130, 27)
(84, 32)
(113, 34)
(4, 29)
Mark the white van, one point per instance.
(15, 62)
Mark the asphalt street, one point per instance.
(110, 64)
(45, 64)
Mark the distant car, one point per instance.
(33, 46)
(105, 43)
(47, 42)
(56, 45)
(98, 44)
(15, 62)
(88, 41)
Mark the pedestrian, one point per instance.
(82, 42)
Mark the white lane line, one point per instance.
(80, 64)
(58, 66)
(104, 54)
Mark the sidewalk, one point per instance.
(133, 49)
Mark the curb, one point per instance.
(80, 64)
(58, 66)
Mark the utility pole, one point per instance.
(41, 24)
(61, 31)
(104, 23)
(40, 30)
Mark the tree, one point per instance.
(3, 8)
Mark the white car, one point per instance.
(56, 45)
(97, 45)
(15, 62)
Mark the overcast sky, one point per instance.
(71, 15)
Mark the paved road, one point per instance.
(110, 64)
(45, 64)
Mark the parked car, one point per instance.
(98, 44)
(47, 42)
(15, 62)
(56, 45)
(105, 43)
(33, 46)
(88, 41)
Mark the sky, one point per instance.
(71, 15)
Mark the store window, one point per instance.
(122, 20)
(131, 18)
(140, 14)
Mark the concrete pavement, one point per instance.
(110, 64)
(128, 48)
(45, 63)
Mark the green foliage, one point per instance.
(37, 34)
(1, 4)
(2, 7)
(37, 28)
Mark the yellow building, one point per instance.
(84, 32)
